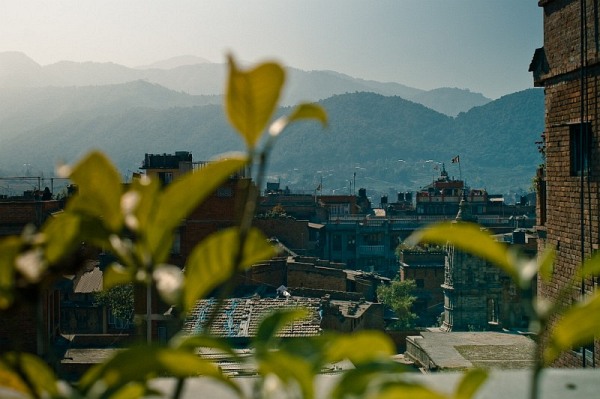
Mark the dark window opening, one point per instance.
(580, 140)
(165, 177)
(351, 243)
(337, 242)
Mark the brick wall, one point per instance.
(310, 276)
(14, 215)
(290, 232)
(571, 222)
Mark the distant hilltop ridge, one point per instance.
(198, 76)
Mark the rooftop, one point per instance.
(436, 350)
(240, 317)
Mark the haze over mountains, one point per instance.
(384, 132)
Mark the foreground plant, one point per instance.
(136, 224)
(558, 327)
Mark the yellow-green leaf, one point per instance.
(213, 261)
(360, 347)
(288, 368)
(252, 98)
(37, 373)
(144, 193)
(115, 275)
(99, 190)
(273, 323)
(62, 235)
(131, 390)
(546, 264)
(302, 111)
(309, 111)
(144, 362)
(591, 267)
(353, 383)
(9, 249)
(469, 237)
(470, 383)
(578, 326)
(181, 197)
(408, 390)
(190, 343)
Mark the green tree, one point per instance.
(118, 299)
(399, 295)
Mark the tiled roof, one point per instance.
(240, 317)
(351, 309)
(88, 280)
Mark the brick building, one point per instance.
(426, 268)
(16, 213)
(568, 68)
(220, 210)
(36, 314)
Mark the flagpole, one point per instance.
(456, 159)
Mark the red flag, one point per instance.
(456, 159)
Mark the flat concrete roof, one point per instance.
(464, 350)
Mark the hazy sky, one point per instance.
(481, 45)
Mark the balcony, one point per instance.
(371, 250)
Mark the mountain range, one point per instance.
(386, 137)
(197, 76)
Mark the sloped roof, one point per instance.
(88, 280)
(240, 317)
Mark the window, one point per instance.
(176, 247)
(373, 239)
(580, 140)
(493, 310)
(351, 243)
(337, 242)
(224, 192)
(420, 283)
(165, 177)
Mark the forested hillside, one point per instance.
(390, 143)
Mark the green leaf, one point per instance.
(131, 390)
(62, 234)
(37, 373)
(116, 275)
(408, 390)
(591, 267)
(144, 193)
(9, 249)
(181, 197)
(252, 97)
(546, 264)
(275, 322)
(360, 347)
(309, 111)
(469, 237)
(213, 261)
(288, 368)
(302, 111)
(190, 343)
(578, 326)
(354, 383)
(470, 383)
(99, 190)
(145, 362)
